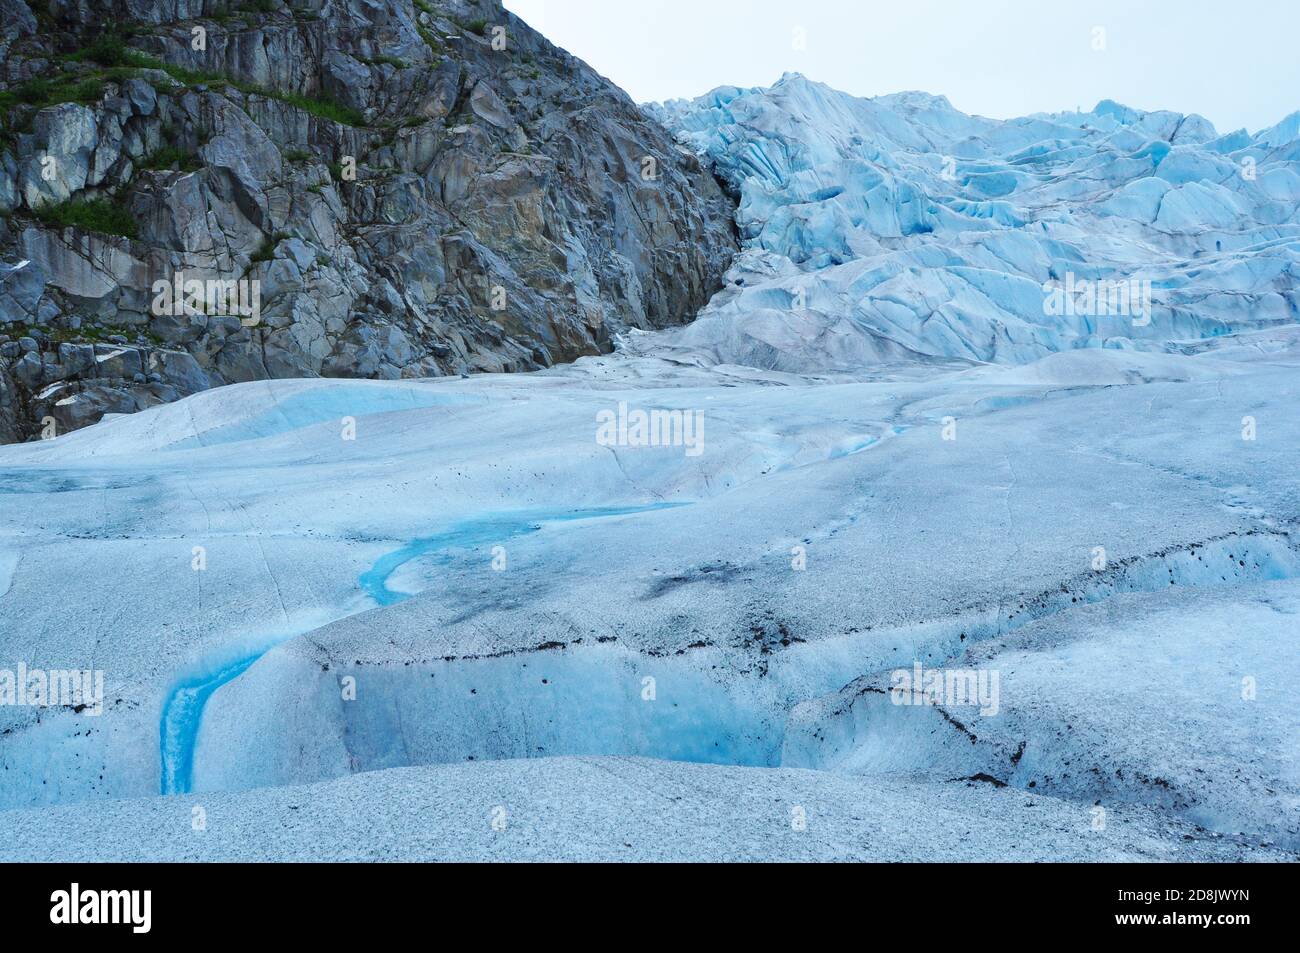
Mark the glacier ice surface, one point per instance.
(898, 228)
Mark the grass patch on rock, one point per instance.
(100, 215)
(319, 106)
(267, 249)
(41, 92)
(172, 157)
(122, 62)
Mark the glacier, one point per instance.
(899, 229)
(441, 619)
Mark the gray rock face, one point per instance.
(18, 22)
(21, 286)
(370, 188)
(63, 163)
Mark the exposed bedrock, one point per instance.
(418, 190)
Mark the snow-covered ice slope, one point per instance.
(611, 809)
(1115, 701)
(493, 583)
(898, 228)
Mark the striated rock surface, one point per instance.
(405, 190)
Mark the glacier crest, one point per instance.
(900, 229)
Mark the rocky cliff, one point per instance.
(200, 192)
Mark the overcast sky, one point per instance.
(1236, 63)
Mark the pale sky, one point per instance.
(1236, 63)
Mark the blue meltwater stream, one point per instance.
(182, 711)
